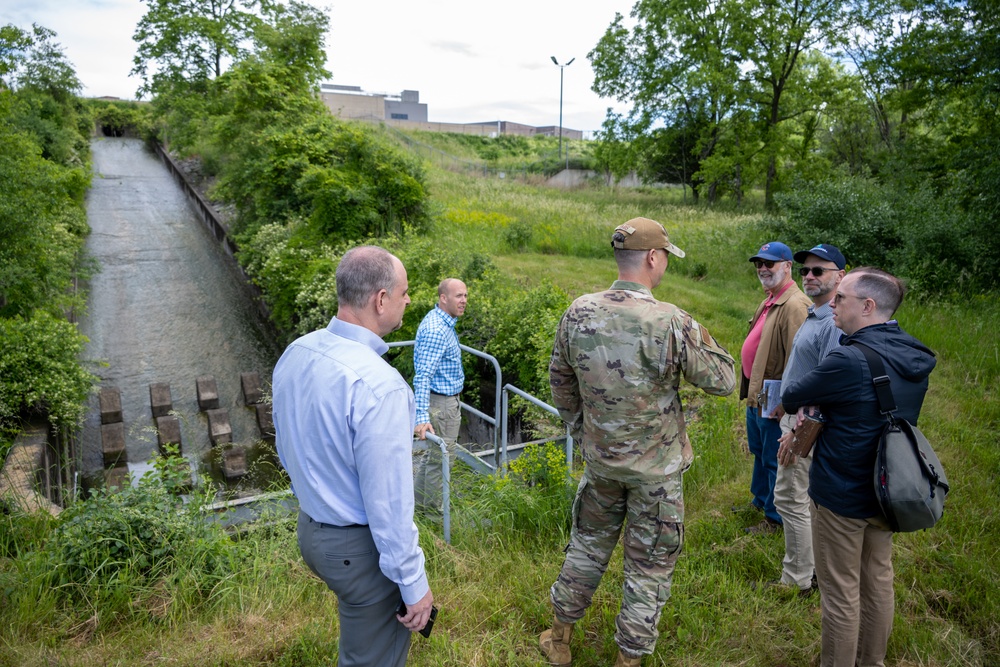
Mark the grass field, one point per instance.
(492, 582)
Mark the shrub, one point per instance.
(854, 214)
(40, 371)
(517, 236)
(120, 118)
(138, 536)
(517, 326)
(904, 227)
(344, 179)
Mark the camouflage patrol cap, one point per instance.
(644, 234)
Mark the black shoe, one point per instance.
(767, 526)
(813, 587)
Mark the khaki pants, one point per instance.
(791, 499)
(854, 569)
(446, 418)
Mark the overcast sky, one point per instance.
(471, 61)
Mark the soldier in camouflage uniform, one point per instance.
(618, 359)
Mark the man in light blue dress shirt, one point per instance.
(343, 421)
(438, 378)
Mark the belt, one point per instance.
(446, 395)
(330, 525)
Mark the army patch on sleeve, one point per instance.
(706, 338)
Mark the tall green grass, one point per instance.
(491, 583)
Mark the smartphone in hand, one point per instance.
(426, 631)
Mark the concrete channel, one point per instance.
(172, 331)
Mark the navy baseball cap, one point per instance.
(775, 251)
(825, 251)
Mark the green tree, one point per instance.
(729, 69)
(13, 43)
(44, 87)
(44, 176)
(679, 60)
(615, 152)
(42, 224)
(670, 154)
(776, 35)
(45, 68)
(191, 41)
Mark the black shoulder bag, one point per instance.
(910, 483)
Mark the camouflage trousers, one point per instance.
(654, 535)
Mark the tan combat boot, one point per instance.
(555, 643)
(625, 661)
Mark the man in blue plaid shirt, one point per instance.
(437, 381)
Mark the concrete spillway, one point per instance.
(167, 306)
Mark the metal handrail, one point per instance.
(502, 464)
(499, 423)
(465, 406)
(499, 448)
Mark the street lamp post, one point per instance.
(561, 68)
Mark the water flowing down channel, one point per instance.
(167, 305)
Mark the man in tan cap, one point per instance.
(618, 359)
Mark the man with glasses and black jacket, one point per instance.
(852, 542)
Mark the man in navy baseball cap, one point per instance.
(775, 251)
(826, 252)
(822, 270)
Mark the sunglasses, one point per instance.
(764, 262)
(817, 271)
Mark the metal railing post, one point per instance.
(499, 384)
(544, 406)
(445, 484)
(569, 451)
(502, 462)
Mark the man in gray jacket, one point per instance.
(822, 270)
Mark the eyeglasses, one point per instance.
(817, 271)
(839, 296)
(764, 262)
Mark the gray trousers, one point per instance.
(347, 561)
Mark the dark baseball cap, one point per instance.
(774, 251)
(824, 251)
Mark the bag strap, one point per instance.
(883, 388)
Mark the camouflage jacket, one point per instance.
(616, 365)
